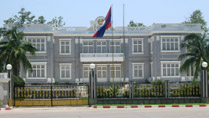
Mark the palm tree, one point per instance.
(13, 50)
(197, 52)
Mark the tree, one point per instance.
(197, 52)
(40, 20)
(57, 22)
(132, 24)
(196, 17)
(13, 50)
(23, 17)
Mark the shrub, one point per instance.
(18, 81)
(158, 82)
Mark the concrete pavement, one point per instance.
(86, 112)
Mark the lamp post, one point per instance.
(204, 81)
(9, 68)
(92, 67)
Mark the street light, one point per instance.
(92, 66)
(204, 64)
(204, 81)
(91, 81)
(9, 68)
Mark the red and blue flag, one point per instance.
(106, 25)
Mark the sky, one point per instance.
(80, 12)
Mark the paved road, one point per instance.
(85, 112)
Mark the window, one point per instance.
(137, 46)
(38, 43)
(39, 70)
(86, 71)
(65, 71)
(170, 44)
(88, 47)
(101, 47)
(115, 46)
(102, 71)
(170, 69)
(138, 70)
(65, 46)
(115, 71)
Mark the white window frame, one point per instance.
(85, 65)
(170, 62)
(65, 64)
(142, 45)
(87, 46)
(102, 71)
(115, 71)
(101, 46)
(38, 63)
(170, 36)
(115, 40)
(142, 64)
(35, 38)
(60, 46)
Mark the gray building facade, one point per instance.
(145, 53)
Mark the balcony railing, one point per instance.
(101, 57)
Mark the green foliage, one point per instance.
(147, 81)
(57, 22)
(56, 83)
(18, 81)
(13, 50)
(40, 20)
(195, 82)
(158, 82)
(196, 17)
(133, 24)
(23, 17)
(197, 52)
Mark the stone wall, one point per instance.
(4, 91)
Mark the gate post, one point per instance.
(51, 95)
(204, 83)
(166, 89)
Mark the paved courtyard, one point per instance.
(85, 112)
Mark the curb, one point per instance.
(4, 109)
(150, 106)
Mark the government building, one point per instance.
(133, 54)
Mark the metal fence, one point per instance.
(141, 90)
(51, 95)
(113, 91)
(184, 90)
(136, 90)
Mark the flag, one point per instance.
(106, 25)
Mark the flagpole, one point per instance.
(124, 50)
(113, 76)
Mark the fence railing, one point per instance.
(46, 92)
(135, 90)
(184, 90)
(148, 91)
(113, 91)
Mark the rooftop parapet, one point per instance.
(86, 30)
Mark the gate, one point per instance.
(51, 95)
